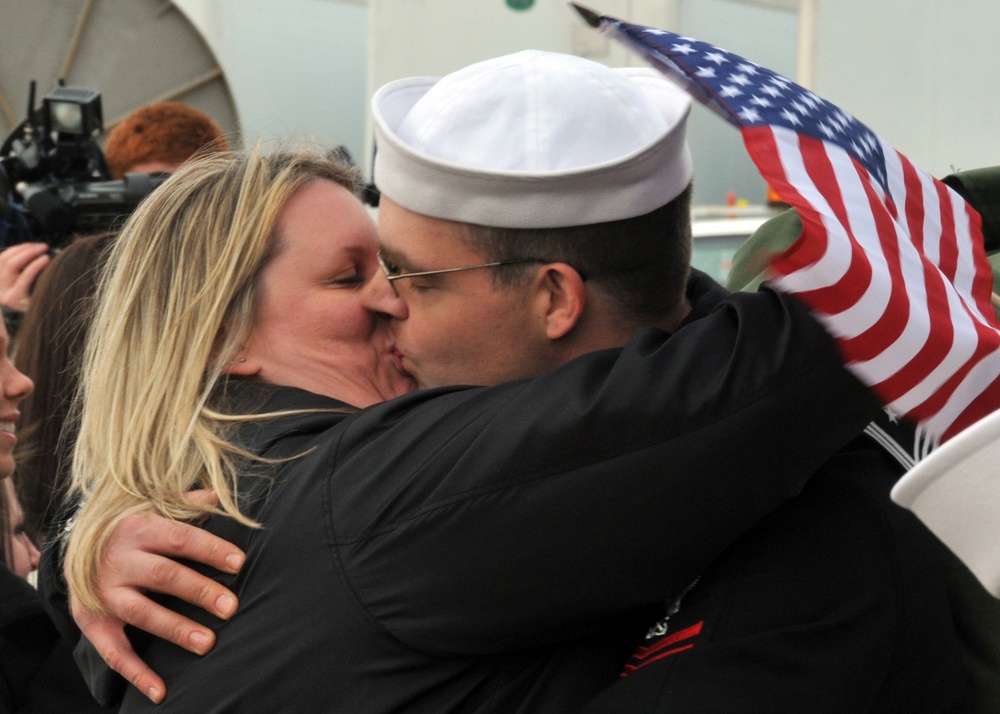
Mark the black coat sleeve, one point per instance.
(484, 519)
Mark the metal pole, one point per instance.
(74, 44)
(806, 52)
(176, 92)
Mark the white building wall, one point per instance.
(923, 73)
(297, 69)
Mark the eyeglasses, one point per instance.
(392, 273)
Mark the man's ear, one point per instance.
(563, 298)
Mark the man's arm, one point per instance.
(520, 516)
(680, 401)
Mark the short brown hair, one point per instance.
(166, 131)
(643, 262)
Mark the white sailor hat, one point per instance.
(532, 140)
(955, 491)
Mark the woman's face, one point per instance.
(24, 554)
(321, 322)
(14, 387)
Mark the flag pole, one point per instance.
(589, 16)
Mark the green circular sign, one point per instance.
(520, 4)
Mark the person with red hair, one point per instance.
(155, 138)
(159, 138)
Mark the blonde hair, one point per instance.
(175, 303)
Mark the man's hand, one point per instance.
(139, 558)
(19, 266)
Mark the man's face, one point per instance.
(459, 328)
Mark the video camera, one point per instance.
(54, 180)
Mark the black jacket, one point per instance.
(37, 672)
(461, 550)
(836, 603)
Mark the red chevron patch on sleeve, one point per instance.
(663, 648)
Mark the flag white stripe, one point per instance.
(836, 260)
(937, 316)
(962, 349)
(965, 275)
(861, 228)
(914, 335)
(984, 374)
(861, 316)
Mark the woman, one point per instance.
(300, 323)
(36, 666)
(20, 552)
(48, 350)
(157, 137)
(452, 549)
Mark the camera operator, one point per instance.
(156, 138)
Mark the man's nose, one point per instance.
(379, 297)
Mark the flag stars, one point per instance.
(747, 68)
(791, 117)
(749, 114)
(716, 57)
(827, 130)
(728, 90)
(771, 91)
(705, 72)
(740, 79)
(811, 99)
(683, 49)
(762, 102)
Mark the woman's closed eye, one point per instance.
(348, 278)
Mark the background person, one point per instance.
(49, 349)
(37, 672)
(155, 138)
(20, 552)
(158, 137)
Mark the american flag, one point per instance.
(890, 260)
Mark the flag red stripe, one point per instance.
(983, 284)
(889, 326)
(889, 259)
(857, 280)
